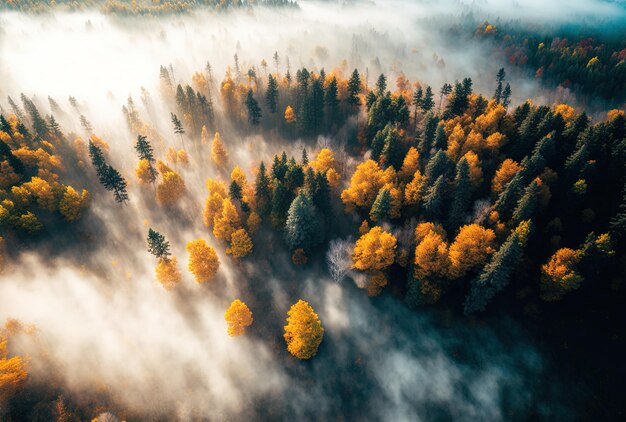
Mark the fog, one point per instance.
(104, 320)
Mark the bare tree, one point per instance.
(339, 258)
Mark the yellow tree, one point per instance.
(410, 165)
(324, 161)
(167, 272)
(290, 116)
(374, 251)
(559, 275)
(238, 317)
(414, 191)
(303, 332)
(13, 371)
(213, 204)
(144, 172)
(470, 249)
(203, 261)
(72, 203)
(503, 175)
(365, 183)
(227, 221)
(431, 257)
(240, 244)
(218, 152)
(172, 186)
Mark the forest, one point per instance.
(233, 221)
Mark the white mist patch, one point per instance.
(146, 344)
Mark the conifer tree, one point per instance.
(254, 111)
(382, 206)
(497, 273)
(145, 152)
(428, 103)
(433, 200)
(499, 79)
(527, 203)
(462, 194)
(302, 227)
(263, 192)
(354, 88)
(271, 95)
(157, 245)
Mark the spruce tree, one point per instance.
(354, 88)
(497, 273)
(254, 111)
(145, 152)
(271, 95)
(302, 227)
(527, 204)
(430, 129)
(462, 194)
(509, 196)
(262, 192)
(438, 165)
(157, 245)
(381, 85)
(428, 103)
(382, 206)
(281, 200)
(499, 79)
(441, 140)
(234, 191)
(392, 152)
(434, 199)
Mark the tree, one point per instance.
(339, 258)
(238, 317)
(365, 184)
(167, 272)
(114, 181)
(434, 198)
(178, 126)
(219, 156)
(72, 203)
(354, 88)
(303, 332)
(559, 275)
(471, 248)
(172, 186)
(157, 245)
(428, 103)
(462, 194)
(290, 115)
(499, 79)
(381, 84)
(271, 94)
(302, 229)
(13, 371)
(497, 273)
(240, 244)
(527, 203)
(445, 90)
(431, 257)
(503, 175)
(203, 261)
(382, 206)
(263, 192)
(374, 251)
(254, 111)
(226, 222)
(146, 157)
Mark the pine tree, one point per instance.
(441, 139)
(509, 196)
(499, 79)
(462, 194)
(262, 192)
(618, 223)
(114, 181)
(430, 129)
(331, 100)
(497, 273)
(281, 201)
(381, 85)
(271, 95)
(434, 198)
(445, 90)
(382, 206)
(392, 152)
(254, 111)
(145, 152)
(354, 88)
(438, 165)
(506, 96)
(418, 97)
(177, 124)
(157, 245)
(527, 204)
(302, 227)
(305, 157)
(428, 103)
(234, 191)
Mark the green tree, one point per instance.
(157, 245)
(497, 273)
(271, 95)
(254, 111)
(462, 194)
(354, 88)
(262, 192)
(302, 227)
(145, 152)
(382, 206)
